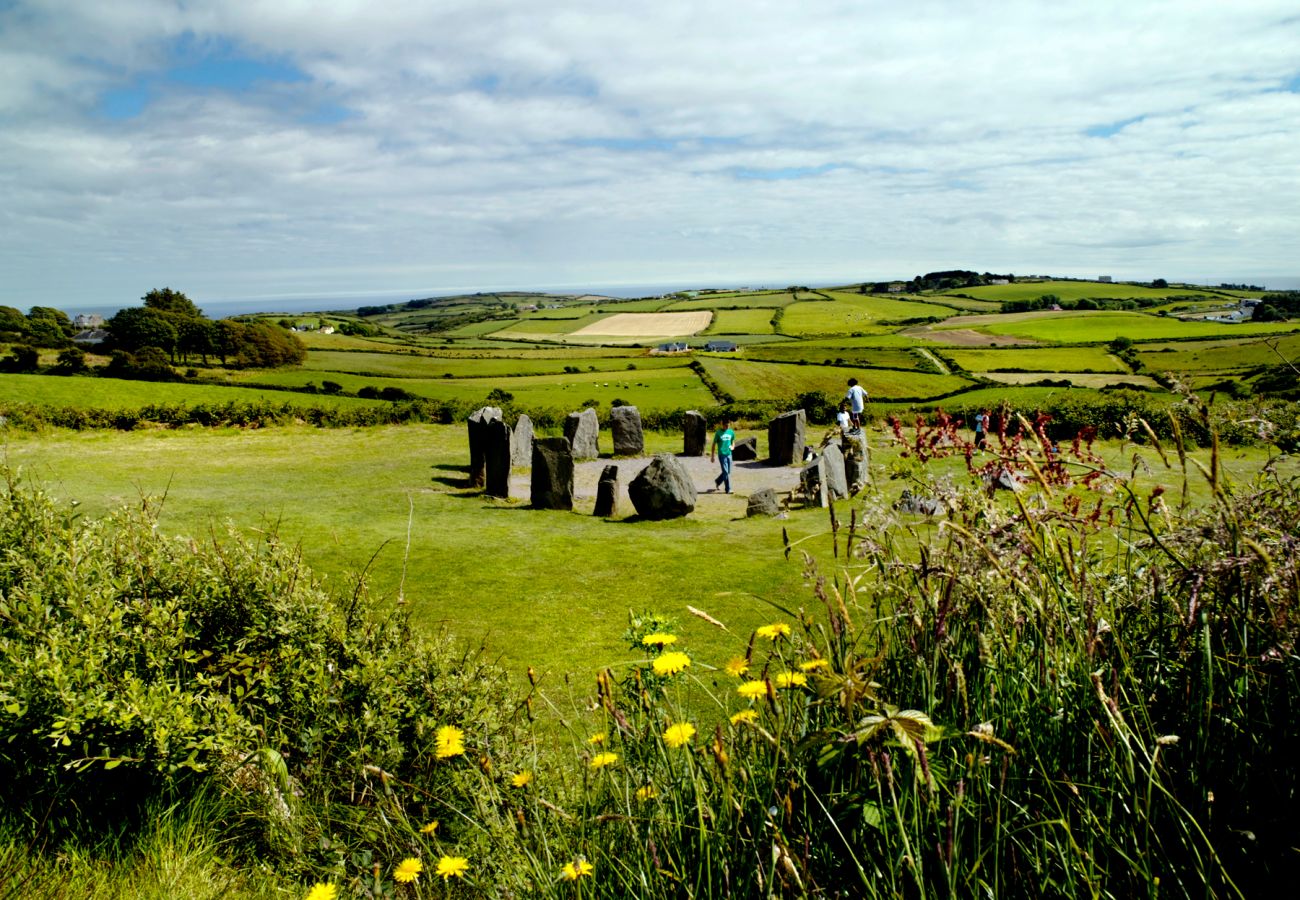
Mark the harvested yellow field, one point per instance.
(648, 324)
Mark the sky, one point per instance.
(289, 148)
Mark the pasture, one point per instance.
(1033, 359)
(75, 392)
(749, 380)
(741, 321)
(756, 300)
(1079, 290)
(849, 313)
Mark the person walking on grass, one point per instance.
(857, 398)
(981, 429)
(723, 439)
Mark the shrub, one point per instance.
(134, 666)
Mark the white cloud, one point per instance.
(512, 142)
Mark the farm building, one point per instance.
(721, 346)
(673, 347)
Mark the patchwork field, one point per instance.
(646, 325)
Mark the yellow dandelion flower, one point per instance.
(521, 779)
(579, 868)
(753, 689)
(772, 632)
(671, 663)
(737, 666)
(790, 679)
(408, 870)
(322, 891)
(451, 742)
(812, 664)
(659, 639)
(745, 715)
(430, 828)
(646, 793)
(452, 867)
(678, 735)
(598, 738)
(600, 760)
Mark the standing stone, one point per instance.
(833, 473)
(625, 428)
(607, 493)
(521, 443)
(663, 489)
(763, 503)
(477, 424)
(785, 435)
(583, 431)
(813, 481)
(552, 475)
(745, 450)
(497, 457)
(695, 433)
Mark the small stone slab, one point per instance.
(552, 475)
(924, 506)
(745, 450)
(607, 493)
(521, 437)
(625, 429)
(497, 458)
(763, 503)
(477, 423)
(663, 489)
(785, 438)
(695, 433)
(583, 431)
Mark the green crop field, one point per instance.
(1103, 325)
(478, 329)
(80, 392)
(1220, 356)
(1078, 379)
(761, 300)
(1076, 290)
(837, 354)
(748, 380)
(546, 328)
(741, 321)
(849, 313)
(1035, 359)
(400, 365)
(648, 304)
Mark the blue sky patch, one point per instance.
(328, 114)
(1113, 128)
(1292, 86)
(787, 173)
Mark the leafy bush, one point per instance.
(134, 666)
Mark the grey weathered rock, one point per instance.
(745, 450)
(855, 473)
(663, 489)
(625, 429)
(785, 436)
(607, 493)
(552, 475)
(496, 458)
(521, 443)
(833, 471)
(763, 503)
(477, 422)
(583, 431)
(925, 506)
(1004, 480)
(813, 483)
(695, 433)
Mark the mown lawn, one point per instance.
(748, 380)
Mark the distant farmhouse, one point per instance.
(673, 347)
(1105, 279)
(90, 337)
(84, 321)
(721, 346)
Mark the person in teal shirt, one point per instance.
(723, 438)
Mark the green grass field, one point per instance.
(113, 393)
(1220, 356)
(399, 365)
(825, 354)
(748, 380)
(1078, 379)
(1033, 359)
(849, 313)
(741, 321)
(1101, 326)
(759, 300)
(1076, 290)
(548, 328)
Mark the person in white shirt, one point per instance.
(842, 418)
(857, 398)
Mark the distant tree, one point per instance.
(497, 395)
(21, 359)
(138, 327)
(1160, 283)
(1120, 344)
(70, 362)
(1086, 303)
(395, 394)
(331, 387)
(11, 320)
(167, 300)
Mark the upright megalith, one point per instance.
(625, 429)
(857, 460)
(607, 493)
(552, 475)
(837, 484)
(785, 436)
(583, 431)
(477, 429)
(663, 489)
(745, 449)
(497, 458)
(521, 443)
(695, 433)
(812, 479)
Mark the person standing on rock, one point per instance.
(723, 439)
(857, 397)
(981, 429)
